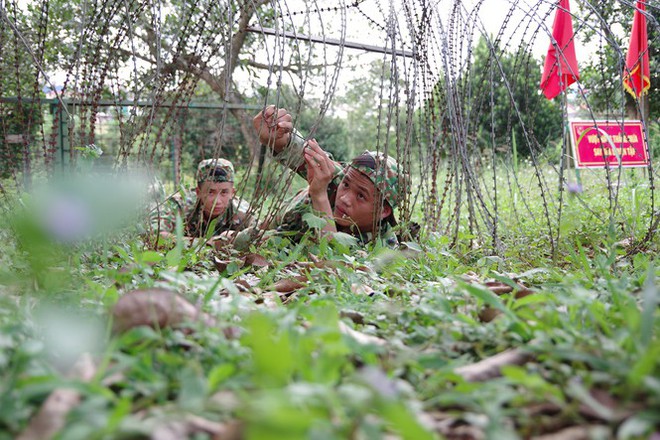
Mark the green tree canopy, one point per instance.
(601, 76)
(505, 97)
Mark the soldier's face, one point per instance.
(355, 202)
(215, 197)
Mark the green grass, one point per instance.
(591, 328)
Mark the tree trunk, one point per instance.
(222, 84)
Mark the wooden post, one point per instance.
(63, 153)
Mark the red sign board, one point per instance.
(600, 143)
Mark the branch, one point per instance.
(290, 68)
(238, 38)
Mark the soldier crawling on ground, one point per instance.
(213, 204)
(358, 199)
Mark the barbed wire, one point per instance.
(455, 102)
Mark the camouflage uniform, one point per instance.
(235, 218)
(385, 178)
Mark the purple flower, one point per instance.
(379, 381)
(67, 218)
(574, 188)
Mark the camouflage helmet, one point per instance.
(215, 170)
(385, 174)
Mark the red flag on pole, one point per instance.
(637, 73)
(561, 67)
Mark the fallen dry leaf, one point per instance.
(572, 433)
(270, 299)
(232, 332)
(490, 367)
(471, 277)
(170, 429)
(487, 314)
(226, 400)
(220, 265)
(157, 308)
(288, 285)
(498, 288)
(356, 317)
(542, 409)
(465, 432)
(451, 426)
(288, 297)
(523, 293)
(255, 260)
(52, 415)
(229, 430)
(190, 425)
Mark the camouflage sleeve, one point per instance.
(388, 237)
(243, 216)
(163, 217)
(290, 217)
(292, 156)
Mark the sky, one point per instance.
(318, 18)
(530, 21)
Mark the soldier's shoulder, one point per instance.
(184, 198)
(240, 205)
(388, 236)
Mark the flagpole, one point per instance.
(643, 102)
(560, 70)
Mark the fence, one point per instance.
(52, 135)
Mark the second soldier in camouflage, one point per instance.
(212, 204)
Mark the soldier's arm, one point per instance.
(164, 216)
(243, 217)
(275, 129)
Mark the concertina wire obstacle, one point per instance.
(456, 102)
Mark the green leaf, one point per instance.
(403, 421)
(151, 257)
(193, 388)
(537, 298)
(313, 221)
(121, 410)
(271, 351)
(219, 374)
(345, 239)
(645, 365)
(635, 427)
(412, 246)
(578, 391)
(533, 382)
(173, 256)
(649, 308)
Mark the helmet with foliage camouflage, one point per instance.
(215, 170)
(384, 174)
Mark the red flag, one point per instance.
(561, 67)
(637, 74)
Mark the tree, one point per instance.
(373, 105)
(167, 54)
(20, 115)
(510, 82)
(601, 75)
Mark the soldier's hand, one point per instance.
(274, 127)
(320, 168)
